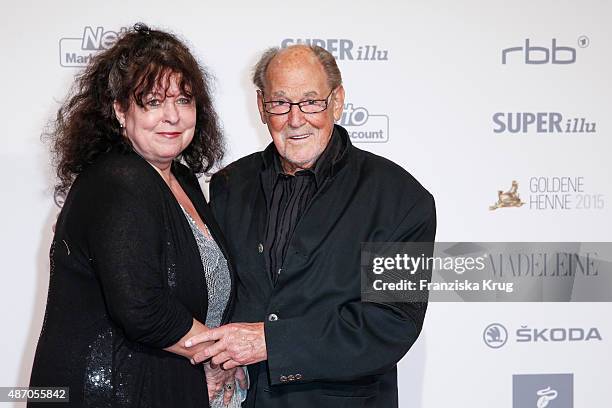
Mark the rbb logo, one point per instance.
(537, 55)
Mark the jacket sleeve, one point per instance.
(126, 243)
(357, 339)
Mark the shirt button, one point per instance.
(283, 379)
(298, 376)
(272, 317)
(260, 248)
(291, 377)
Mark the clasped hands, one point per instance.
(235, 344)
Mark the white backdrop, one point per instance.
(430, 97)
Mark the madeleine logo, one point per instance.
(509, 198)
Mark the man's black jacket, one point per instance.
(325, 347)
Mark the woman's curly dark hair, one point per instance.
(86, 126)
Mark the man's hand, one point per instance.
(218, 379)
(236, 344)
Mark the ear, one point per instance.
(119, 113)
(338, 101)
(262, 113)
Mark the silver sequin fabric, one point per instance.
(218, 283)
(216, 272)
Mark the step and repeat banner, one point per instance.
(502, 110)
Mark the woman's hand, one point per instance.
(179, 347)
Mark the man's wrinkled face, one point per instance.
(296, 75)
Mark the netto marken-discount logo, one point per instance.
(363, 126)
(77, 52)
(343, 48)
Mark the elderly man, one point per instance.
(294, 216)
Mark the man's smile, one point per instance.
(300, 136)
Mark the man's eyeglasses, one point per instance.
(308, 106)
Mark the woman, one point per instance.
(137, 262)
